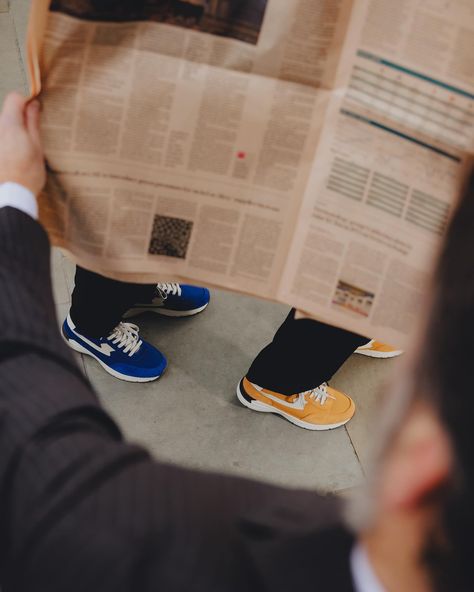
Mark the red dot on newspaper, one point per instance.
(241, 155)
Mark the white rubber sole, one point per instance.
(82, 350)
(377, 354)
(133, 312)
(264, 408)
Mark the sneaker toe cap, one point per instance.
(196, 295)
(149, 363)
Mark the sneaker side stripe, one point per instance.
(105, 349)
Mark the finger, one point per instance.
(32, 118)
(14, 109)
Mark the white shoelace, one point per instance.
(164, 289)
(125, 335)
(319, 394)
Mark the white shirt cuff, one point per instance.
(363, 575)
(19, 197)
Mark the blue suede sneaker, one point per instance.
(174, 300)
(122, 354)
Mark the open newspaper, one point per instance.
(306, 151)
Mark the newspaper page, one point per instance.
(34, 42)
(265, 147)
(389, 167)
(180, 140)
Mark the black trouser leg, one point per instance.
(98, 303)
(303, 354)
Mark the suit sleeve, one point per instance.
(81, 509)
(51, 422)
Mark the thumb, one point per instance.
(32, 117)
(13, 109)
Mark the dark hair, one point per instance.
(446, 378)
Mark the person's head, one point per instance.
(421, 517)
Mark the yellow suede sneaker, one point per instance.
(321, 408)
(376, 349)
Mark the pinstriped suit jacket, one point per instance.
(82, 510)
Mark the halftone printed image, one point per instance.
(353, 299)
(170, 237)
(238, 19)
